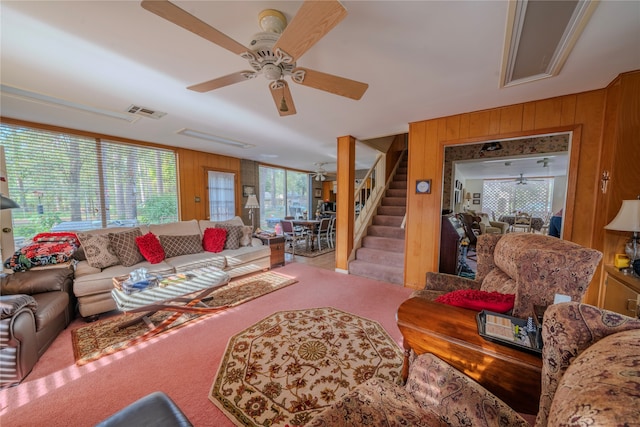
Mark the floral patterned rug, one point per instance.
(101, 338)
(289, 366)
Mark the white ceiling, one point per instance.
(511, 167)
(421, 59)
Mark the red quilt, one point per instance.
(479, 300)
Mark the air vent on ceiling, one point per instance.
(145, 112)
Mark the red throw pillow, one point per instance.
(213, 239)
(479, 300)
(150, 248)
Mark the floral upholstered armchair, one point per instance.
(590, 377)
(591, 367)
(534, 267)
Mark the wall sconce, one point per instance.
(7, 203)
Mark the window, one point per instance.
(507, 196)
(222, 204)
(282, 193)
(68, 182)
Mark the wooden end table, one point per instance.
(276, 243)
(451, 333)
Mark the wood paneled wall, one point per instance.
(582, 113)
(192, 170)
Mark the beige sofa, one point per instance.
(92, 286)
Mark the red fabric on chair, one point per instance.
(214, 239)
(150, 248)
(478, 300)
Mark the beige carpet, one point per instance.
(289, 366)
(101, 338)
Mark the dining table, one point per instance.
(536, 222)
(310, 226)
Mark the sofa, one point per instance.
(35, 307)
(533, 267)
(111, 252)
(590, 377)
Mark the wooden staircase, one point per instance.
(381, 256)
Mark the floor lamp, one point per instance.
(252, 203)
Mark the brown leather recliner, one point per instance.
(35, 306)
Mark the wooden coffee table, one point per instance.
(451, 333)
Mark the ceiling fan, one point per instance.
(521, 180)
(545, 162)
(320, 174)
(274, 51)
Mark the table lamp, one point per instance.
(628, 219)
(252, 203)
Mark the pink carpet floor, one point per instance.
(182, 363)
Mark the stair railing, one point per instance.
(367, 197)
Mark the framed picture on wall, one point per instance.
(248, 190)
(476, 195)
(476, 201)
(317, 192)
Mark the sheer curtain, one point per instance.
(222, 205)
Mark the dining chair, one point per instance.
(322, 230)
(522, 222)
(332, 232)
(290, 234)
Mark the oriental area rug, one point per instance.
(101, 338)
(291, 365)
(303, 250)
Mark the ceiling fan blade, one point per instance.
(184, 19)
(227, 80)
(311, 23)
(333, 84)
(279, 92)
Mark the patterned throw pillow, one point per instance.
(181, 245)
(234, 235)
(125, 247)
(150, 248)
(213, 240)
(98, 250)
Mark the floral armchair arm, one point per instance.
(567, 330)
(449, 282)
(456, 398)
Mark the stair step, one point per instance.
(383, 243)
(400, 177)
(380, 257)
(383, 273)
(390, 220)
(385, 231)
(392, 210)
(394, 201)
(396, 192)
(398, 185)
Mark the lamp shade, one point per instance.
(7, 203)
(252, 202)
(628, 218)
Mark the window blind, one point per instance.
(66, 182)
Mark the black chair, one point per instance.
(155, 409)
